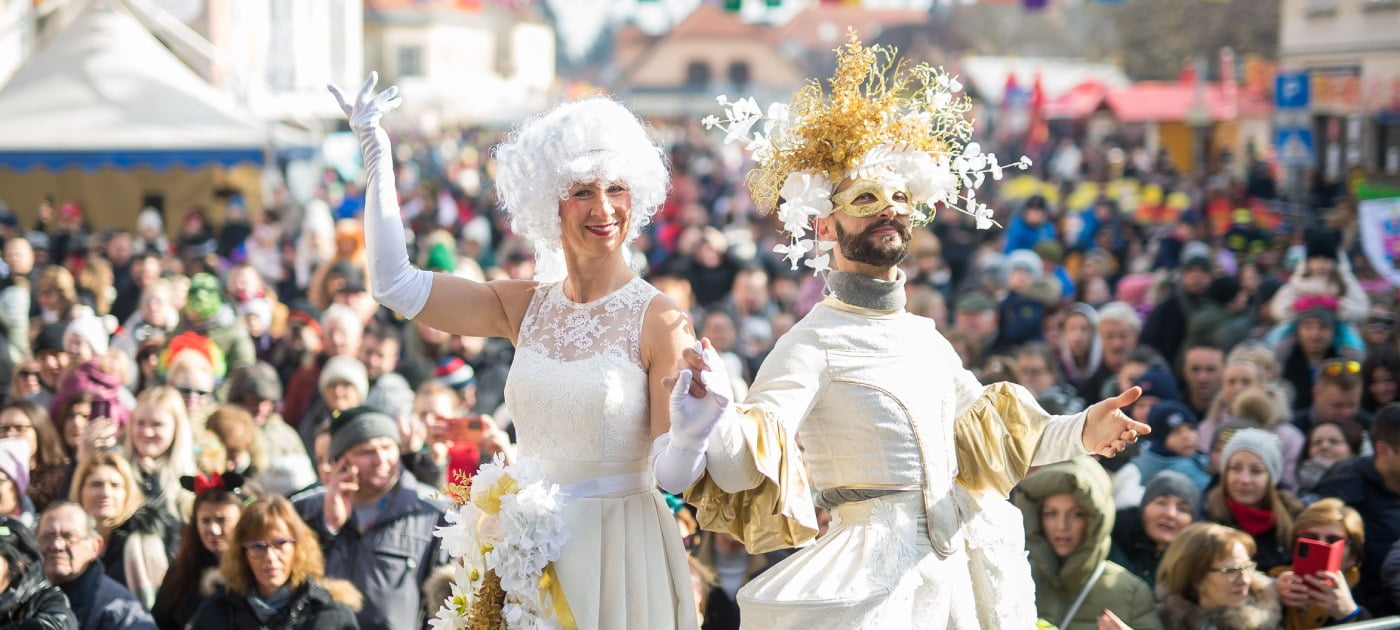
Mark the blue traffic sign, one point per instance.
(1292, 90)
(1294, 146)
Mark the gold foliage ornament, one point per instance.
(904, 126)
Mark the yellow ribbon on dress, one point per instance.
(491, 503)
(551, 588)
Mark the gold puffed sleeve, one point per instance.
(778, 513)
(997, 437)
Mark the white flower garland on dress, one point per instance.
(510, 525)
(949, 178)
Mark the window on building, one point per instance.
(697, 74)
(410, 61)
(739, 73)
(1315, 8)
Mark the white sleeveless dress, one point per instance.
(577, 394)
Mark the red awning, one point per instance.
(1150, 101)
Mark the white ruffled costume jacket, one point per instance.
(874, 398)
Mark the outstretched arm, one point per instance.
(448, 303)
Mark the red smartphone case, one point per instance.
(1312, 556)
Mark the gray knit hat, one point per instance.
(1260, 442)
(358, 425)
(348, 369)
(1171, 482)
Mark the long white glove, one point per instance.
(396, 284)
(680, 457)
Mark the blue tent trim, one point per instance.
(159, 160)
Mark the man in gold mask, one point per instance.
(912, 454)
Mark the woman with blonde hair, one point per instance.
(1207, 579)
(594, 342)
(1325, 598)
(138, 536)
(274, 577)
(159, 443)
(1248, 497)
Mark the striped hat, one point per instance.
(454, 372)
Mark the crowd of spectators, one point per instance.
(217, 425)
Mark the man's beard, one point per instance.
(863, 248)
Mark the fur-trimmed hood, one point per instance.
(1262, 611)
(343, 592)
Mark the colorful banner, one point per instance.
(1380, 236)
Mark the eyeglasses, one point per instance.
(259, 548)
(1234, 573)
(190, 392)
(29, 373)
(69, 538)
(1333, 368)
(1329, 539)
(14, 429)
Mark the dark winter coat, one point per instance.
(324, 604)
(30, 602)
(389, 560)
(100, 603)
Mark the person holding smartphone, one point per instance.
(1315, 595)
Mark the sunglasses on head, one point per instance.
(1333, 368)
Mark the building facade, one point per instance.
(1350, 50)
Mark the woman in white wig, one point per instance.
(594, 342)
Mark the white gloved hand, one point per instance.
(364, 114)
(694, 418)
(392, 279)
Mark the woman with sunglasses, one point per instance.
(1324, 599)
(25, 384)
(194, 574)
(273, 577)
(1207, 579)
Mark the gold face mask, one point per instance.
(867, 197)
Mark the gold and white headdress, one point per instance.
(883, 119)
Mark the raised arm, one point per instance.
(448, 303)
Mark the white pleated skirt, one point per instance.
(624, 566)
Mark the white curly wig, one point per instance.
(591, 140)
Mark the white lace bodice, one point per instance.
(577, 390)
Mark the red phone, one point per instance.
(1313, 556)
(468, 429)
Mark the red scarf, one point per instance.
(1253, 520)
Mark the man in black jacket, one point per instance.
(1372, 486)
(71, 545)
(27, 600)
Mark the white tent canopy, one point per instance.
(105, 92)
